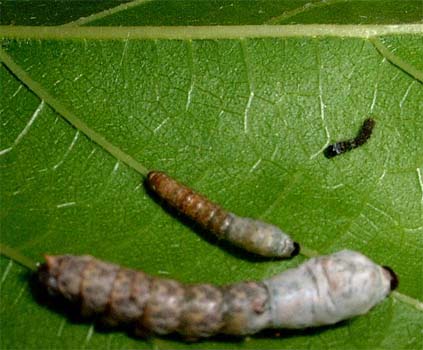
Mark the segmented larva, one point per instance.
(253, 235)
(321, 291)
(345, 146)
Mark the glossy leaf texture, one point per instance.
(243, 120)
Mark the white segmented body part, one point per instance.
(321, 291)
(327, 289)
(259, 237)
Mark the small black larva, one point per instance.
(344, 146)
(253, 235)
(321, 291)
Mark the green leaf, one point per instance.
(239, 113)
(51, 12)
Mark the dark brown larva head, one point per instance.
(151, 175)
(296, 250)
(155, 180)
(49, 271)
(154, 175)
(393, 277)
(335, 149)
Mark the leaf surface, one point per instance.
(242, 120)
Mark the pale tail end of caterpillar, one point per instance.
(252, 235)
(321, 291)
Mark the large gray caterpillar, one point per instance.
(321, 291)
(252, 235)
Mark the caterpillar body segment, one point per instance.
(327, 289)
(341, 147)
(252, 235)
(321, 291)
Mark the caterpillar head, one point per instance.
(392, 276)
(49, 272)
(62, 274)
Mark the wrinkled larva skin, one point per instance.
(252, 235)
(328, 289)
(321, 291)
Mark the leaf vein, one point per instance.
(397, 61)
(25, 129)
(68, 115)
(301, 9)
(321, 104)
(105, 13)
(208, 32)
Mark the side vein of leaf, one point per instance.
(397, 61)
(305, 8)
(105, 13)
(408, 300)
(16, 256)
(68, 115)
(123, 7)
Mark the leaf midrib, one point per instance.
(209, 32)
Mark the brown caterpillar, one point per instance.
(253, 235)
(344, 146)
(321, 291)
